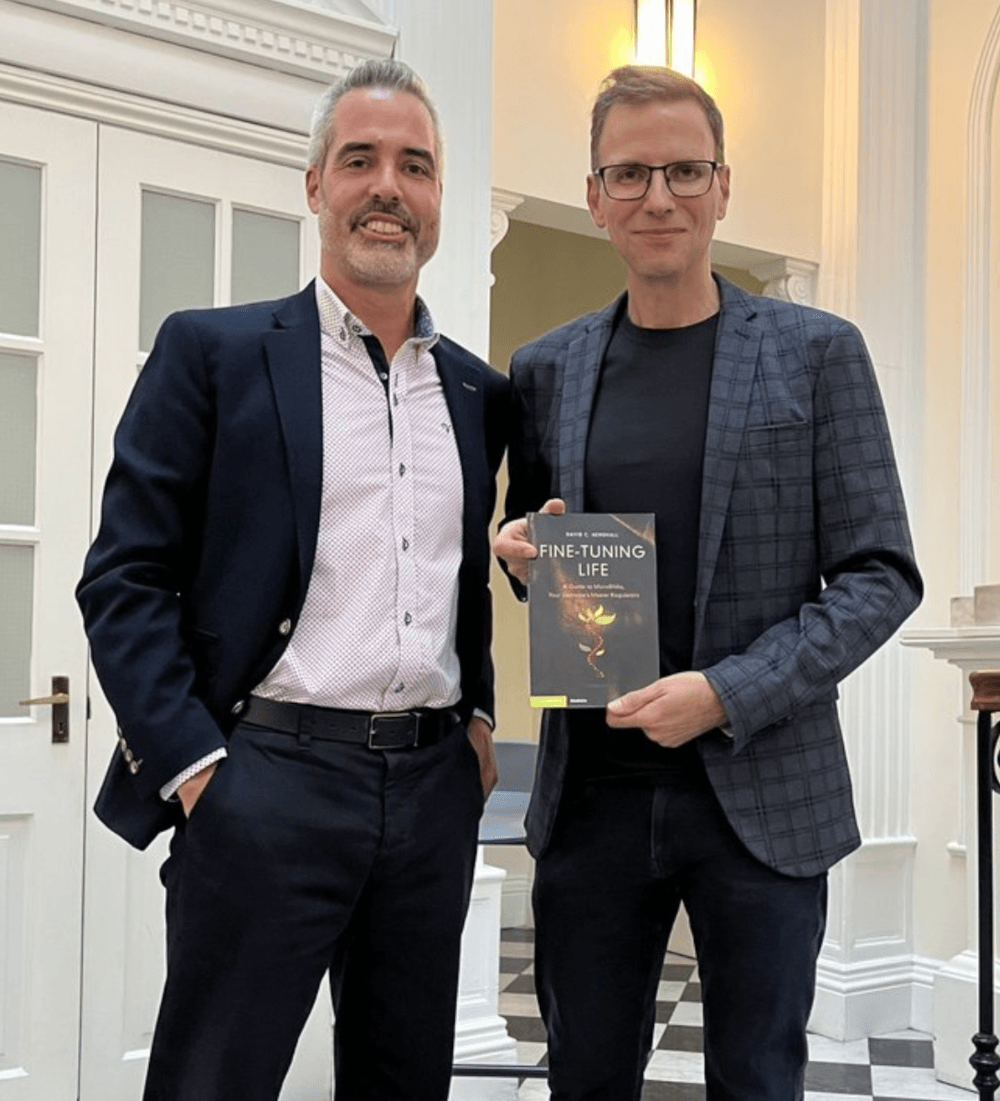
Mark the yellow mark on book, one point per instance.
(549, 701)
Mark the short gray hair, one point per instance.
(394, 76)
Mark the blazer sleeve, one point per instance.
(533, 413)
(863, 548)
(144, 556)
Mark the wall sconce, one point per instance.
(664, 33)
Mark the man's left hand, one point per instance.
(481, 737)
(671, 710)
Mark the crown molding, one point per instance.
(306, 40)
(133, 112)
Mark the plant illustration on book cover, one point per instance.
(592, 607)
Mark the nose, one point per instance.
(659, 197)
(384, 181)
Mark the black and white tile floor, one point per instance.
(897, 1067)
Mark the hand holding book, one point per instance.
(512, 545)
(671, 710)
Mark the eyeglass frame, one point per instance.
(716, 165)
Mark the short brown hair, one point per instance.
(634, 84)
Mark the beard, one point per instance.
(380, 263)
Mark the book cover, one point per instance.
(592, 610)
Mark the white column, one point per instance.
(970, 645)
(872, 245)
(452, 49)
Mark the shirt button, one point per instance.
(285, 627)
(407, 619)
(402, 469)
(406, 543)
(356, 327)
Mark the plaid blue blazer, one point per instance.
(805, 564)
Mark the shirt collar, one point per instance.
(337, 321)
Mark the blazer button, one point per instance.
(128, 756)
(285, 627)
(238, 706)
(133, 766)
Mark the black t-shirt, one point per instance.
(645, 453)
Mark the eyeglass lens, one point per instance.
(686, 179)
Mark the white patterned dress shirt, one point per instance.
(377, 630)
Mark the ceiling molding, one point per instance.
(319, 42)
(166, 120)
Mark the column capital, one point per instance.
(788, 280)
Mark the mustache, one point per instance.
(379, 206)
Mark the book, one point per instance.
(592, 610)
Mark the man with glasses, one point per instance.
(754, 430)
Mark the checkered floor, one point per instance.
(898, 1067)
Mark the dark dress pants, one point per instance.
(606, 894)
(305, 859)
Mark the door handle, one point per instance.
(59, 702)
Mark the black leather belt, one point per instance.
(375, 729)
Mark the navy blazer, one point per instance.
(805, 565)
(208, 532)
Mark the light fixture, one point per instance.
(664, 33)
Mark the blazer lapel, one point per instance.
(463, 393)
(737, 346)
(292, 350)
(581, 370)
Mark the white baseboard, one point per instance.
(872, 997)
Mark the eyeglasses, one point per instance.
(685, 179)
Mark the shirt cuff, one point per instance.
(168, 791)
(488, 719)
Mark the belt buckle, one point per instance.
(393, 730)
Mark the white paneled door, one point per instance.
(47, 202)
(178, 226)
(102, 232)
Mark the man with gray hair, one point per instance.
(288, 606)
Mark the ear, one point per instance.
(313, 179)
(594, 196)
(722, 175)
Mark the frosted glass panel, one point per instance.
(20, 247)
(18, 417)
(178, 259)
(265, 256)
(17, 568)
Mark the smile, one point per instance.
(382, 228)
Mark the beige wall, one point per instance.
(763, 62)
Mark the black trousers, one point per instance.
(305, 859)
(606, 894)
